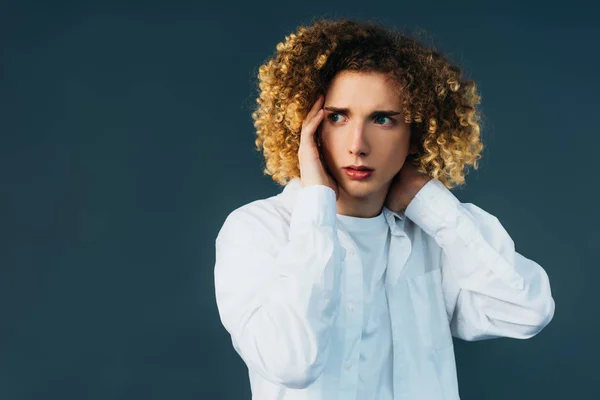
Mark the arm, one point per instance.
(490, 289)
(279, 303)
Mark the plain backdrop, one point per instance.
(126, 139)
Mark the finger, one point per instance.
(312, 125)
(315, 108)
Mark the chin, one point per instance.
(360, 187)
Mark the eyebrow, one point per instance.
(373, 114)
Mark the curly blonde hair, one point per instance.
(439, 105)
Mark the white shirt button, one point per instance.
(348, 367)
(351, 252)
(351, 307)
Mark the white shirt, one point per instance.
(304, 296)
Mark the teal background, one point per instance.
(126, 139)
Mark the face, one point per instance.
(364, 125)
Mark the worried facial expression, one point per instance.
(364, 125)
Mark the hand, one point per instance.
(405, 185)
(312, 169)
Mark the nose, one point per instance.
(358, 145)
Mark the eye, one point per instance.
(331, 115)
(383, 116)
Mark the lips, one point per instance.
(359, 168)
(356, 174)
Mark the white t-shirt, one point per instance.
(375, 369)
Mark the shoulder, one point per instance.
(260, 220)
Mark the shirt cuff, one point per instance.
(433, 207)
(314, 205)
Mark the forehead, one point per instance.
(374, 89)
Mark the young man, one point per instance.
(351, 282)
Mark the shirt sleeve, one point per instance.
(490, 290)
(278, 298)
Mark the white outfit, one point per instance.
(327, 306)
